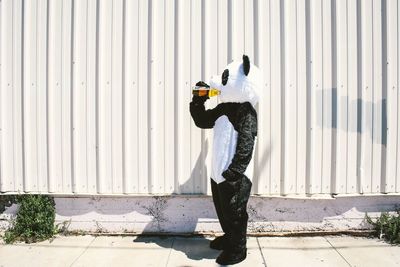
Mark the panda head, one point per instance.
(240, 82)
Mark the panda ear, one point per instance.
(225, 77)
(246, 65)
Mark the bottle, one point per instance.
(205, 91)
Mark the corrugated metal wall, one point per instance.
(95, 94)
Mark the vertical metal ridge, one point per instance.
(13, 87)
(18, 20)
(204, 144)
(244, 27)
(86, 100)
(176, 109)
(270, 95)
(41, 92)
(24, 179)
(98, 189)
(12, 95)
(359, 185)
(190, 79)
(397, 178)
(397, 99)
(203, 39)
(36, 182)
(230, 30)
(384, 95)
(296, 178)
(347, 99)
(112, 97)
(124, 189)
(321, 174)
(164, 113)
(1, 112)
(203, 60)
(283, 91)
(73, 177)
(218, 33)
(374, 108)
(256, 176)
(149, 96)
(137, 108)
(256, 32)
(334, 98)
(49, 179)
(309, 103)
(62, 102)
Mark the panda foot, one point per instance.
(230, 257)
(219, 243)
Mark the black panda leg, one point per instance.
(234, 197)
(218, 207)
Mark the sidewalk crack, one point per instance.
(83, 251)
(337, 251)
(262, 254)
(170, 250)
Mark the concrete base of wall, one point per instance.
(196, 214)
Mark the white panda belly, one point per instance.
(224, 148)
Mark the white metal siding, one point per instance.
(95, 94)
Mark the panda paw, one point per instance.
(199, 99)
(202, 84)
(230, 175)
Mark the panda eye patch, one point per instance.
(225, 77)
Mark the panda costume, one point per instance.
(235, 129)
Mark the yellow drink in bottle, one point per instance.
(204, 91)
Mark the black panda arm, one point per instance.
(247, 130)
(203, 118)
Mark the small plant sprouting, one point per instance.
(386, 226)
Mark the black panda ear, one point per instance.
(225, 77)
(246, 65)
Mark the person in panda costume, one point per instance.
(234, 121)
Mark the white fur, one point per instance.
(224, 146)
(239, 89)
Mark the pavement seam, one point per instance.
(170, 250)
(262, 254)
(337, 251)
(83, 251)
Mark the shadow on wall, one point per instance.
(343, 108)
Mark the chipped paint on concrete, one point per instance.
(258, 223)
(156, 210)
(196, 214)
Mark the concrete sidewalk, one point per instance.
(135, 251)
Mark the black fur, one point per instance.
(246, 65)
(225, 77)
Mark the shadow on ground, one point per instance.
(195, 248)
